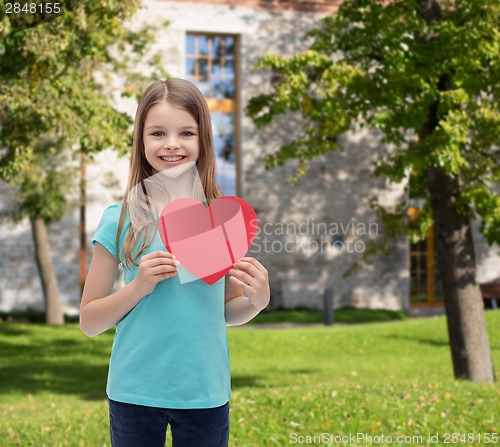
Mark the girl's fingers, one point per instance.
(158, 254)
(249, 268)
(162, 261)
(255, 263)
(165, 275)
(243, 285)
(163, 269)
(242, 276)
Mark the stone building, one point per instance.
(308, 234)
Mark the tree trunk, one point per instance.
(53, 312)
(470, 349)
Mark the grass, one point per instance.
(344, 315)
(389, 378)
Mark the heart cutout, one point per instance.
(208, 240)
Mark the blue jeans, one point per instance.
(140, 426)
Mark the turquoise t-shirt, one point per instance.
(171, 349)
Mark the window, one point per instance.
(425, 284)
(210, 65)
(426, 288)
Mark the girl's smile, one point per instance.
(172, 160)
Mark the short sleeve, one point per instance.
(107, 228)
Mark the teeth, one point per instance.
(178, 157)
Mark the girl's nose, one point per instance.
(172, 144)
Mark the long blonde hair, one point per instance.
(187, 96)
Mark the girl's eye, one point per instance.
(160, 133)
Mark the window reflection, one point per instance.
(210, 66)
(223, 130)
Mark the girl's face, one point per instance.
(170, 137)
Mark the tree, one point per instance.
(401, 66)
(56, 103)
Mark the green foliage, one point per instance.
(380, 65)
(57, 98)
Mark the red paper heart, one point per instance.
(208, 241)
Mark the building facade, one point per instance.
(308, 234)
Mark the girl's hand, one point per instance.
(251, 276)
(153, 268)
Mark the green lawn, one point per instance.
(379, 379)
(344, 315)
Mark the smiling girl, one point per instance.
(170, 359)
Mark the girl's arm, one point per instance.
(248, 275)
(99, 310)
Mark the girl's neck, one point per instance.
(179, 181)
(179, 187)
